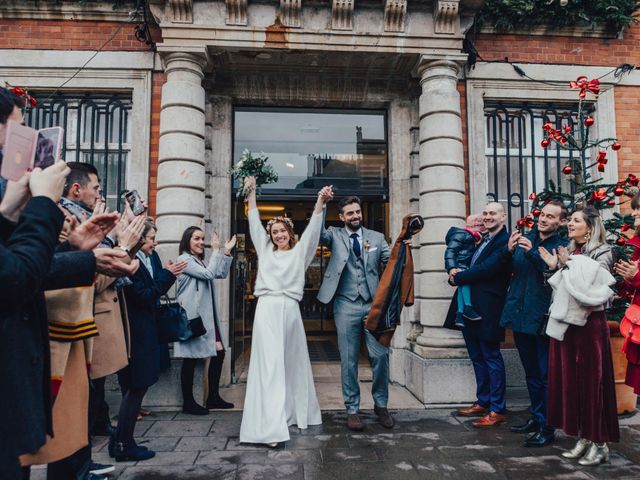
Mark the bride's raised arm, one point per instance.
(258, 234)
(311, 235)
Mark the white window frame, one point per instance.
(499, 82)
(107, 72)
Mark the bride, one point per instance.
(280, 389)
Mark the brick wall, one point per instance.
(627, 118)
(68, 35)
(158, 81)
(562, 50)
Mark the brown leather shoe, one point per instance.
(384, 417)
(474, 410)
(354, 423)
(490, 420)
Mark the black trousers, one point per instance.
(73, 467)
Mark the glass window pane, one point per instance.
(312, 148)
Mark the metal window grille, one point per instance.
(516, 163)
(97, 131)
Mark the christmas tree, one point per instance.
(587, 186)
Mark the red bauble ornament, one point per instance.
(567, 170)
(633, 180)
(520, 223)
(625, 227)
(611, 203)
(601, 167)
(618, 191)
(533, 196)
(545, 143)
(616, 146)
(620, 241)
(536, 212)
(588, 121)
(530, 223)
(599, 195)
(528, 217)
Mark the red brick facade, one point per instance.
(119, 36)
(156, 98)
(69, 35)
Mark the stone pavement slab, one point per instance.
(424, 444)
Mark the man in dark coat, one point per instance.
(525, 311)
(488, 276)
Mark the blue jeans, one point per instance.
(534, 355)
(349, 317)
(464, 297)
(488, 367)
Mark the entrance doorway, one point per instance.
(317, 318)
(308, 148)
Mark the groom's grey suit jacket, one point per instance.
(375, 251)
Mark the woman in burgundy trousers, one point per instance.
(581, 392)
(629, 271)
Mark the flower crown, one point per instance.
(286, 220)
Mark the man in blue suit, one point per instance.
(350, 281)
(489, 276)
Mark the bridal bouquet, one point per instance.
(253, 166)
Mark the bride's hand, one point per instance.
(326, 194)
(250, 183)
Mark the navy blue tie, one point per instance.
(356, 245)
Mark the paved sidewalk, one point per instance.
(425, 444)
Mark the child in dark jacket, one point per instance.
(461, 244)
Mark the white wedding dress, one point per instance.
(280, 390)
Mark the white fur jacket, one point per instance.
(578, 289)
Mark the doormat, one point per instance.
(323, 351)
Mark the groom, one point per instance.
(350, 281)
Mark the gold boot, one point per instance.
(597, 454)
(578, 450)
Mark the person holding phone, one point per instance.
(196, 294)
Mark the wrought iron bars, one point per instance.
(97, 131)
(516, 163)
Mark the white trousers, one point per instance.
(280, 390)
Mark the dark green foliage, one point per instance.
(513, 15)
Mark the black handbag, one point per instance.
(172, 322)
(175, 326)
(196, 328)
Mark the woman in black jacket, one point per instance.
(149, 283)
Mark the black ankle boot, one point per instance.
(217, 403)
(192, 408)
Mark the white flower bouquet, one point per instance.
(253, 166)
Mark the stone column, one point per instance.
(438, 370)
(181, 162)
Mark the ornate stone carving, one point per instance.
(180, 11)
(395, 12)
(342, 14)
(290, 12)
(445, 16)
(236, 12)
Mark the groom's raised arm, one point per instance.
(326, 237)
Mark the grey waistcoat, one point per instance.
(353, 281)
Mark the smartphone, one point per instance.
(135, 202)
(48, 147)
(18, 151)
(27, 148)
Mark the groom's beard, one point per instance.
(353, 226)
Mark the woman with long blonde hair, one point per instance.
(581, 393)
